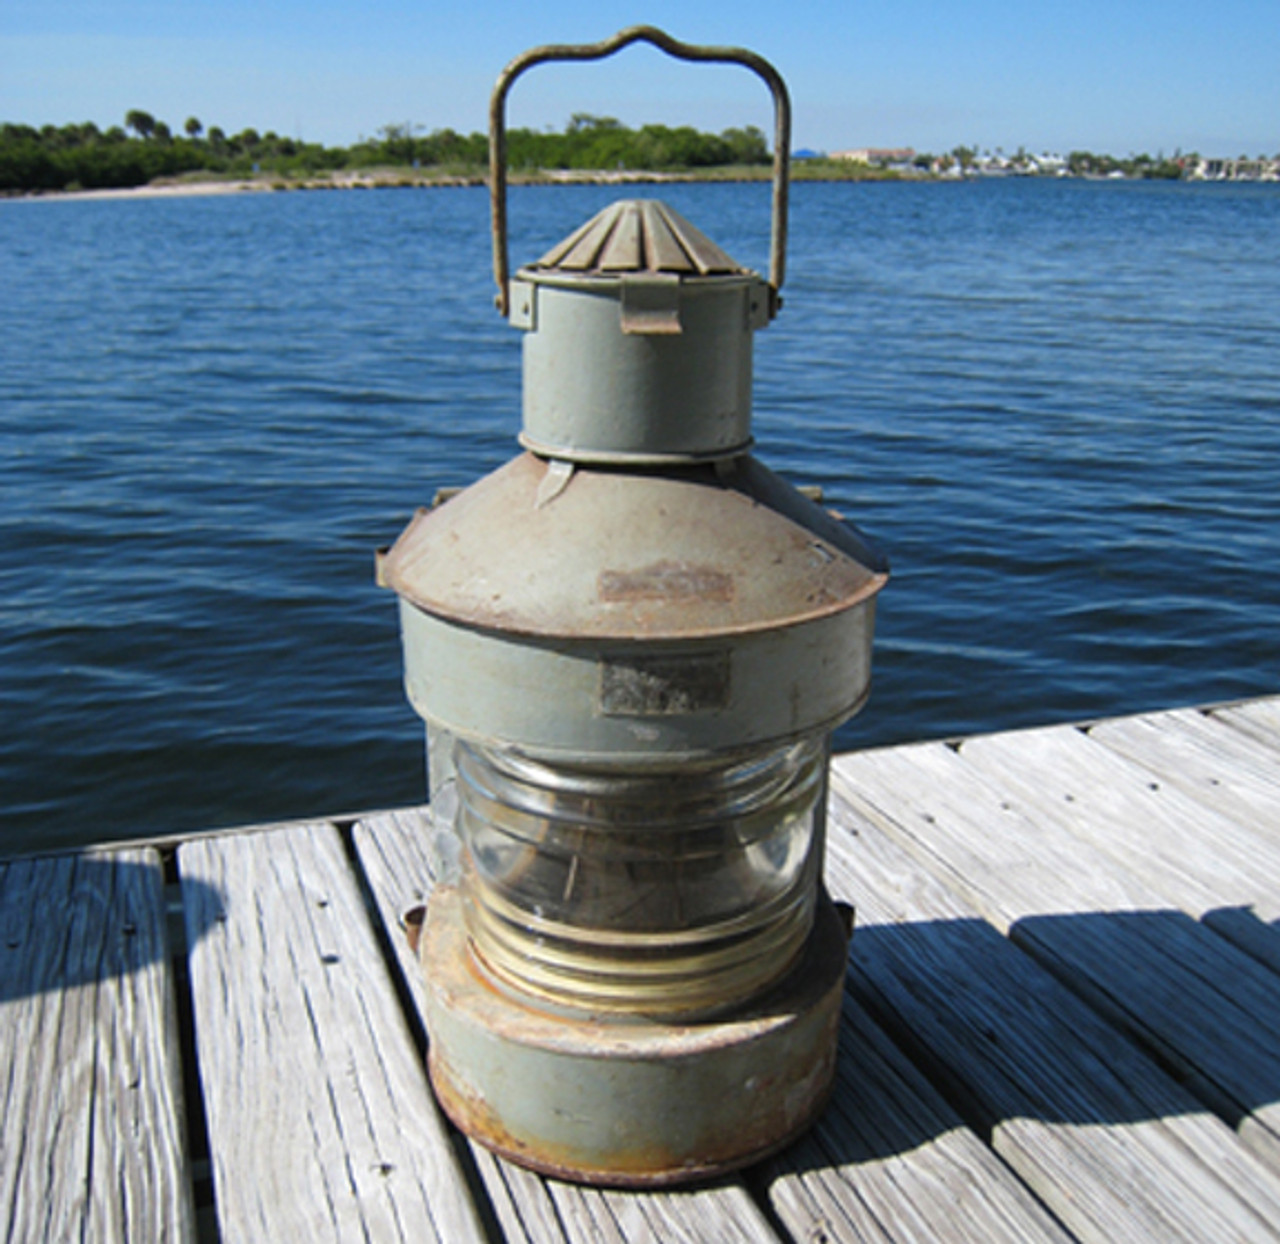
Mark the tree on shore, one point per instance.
(193, 127)
(141, 123)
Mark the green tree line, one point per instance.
(144, 148)
(1089, 164)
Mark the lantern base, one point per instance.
(625, 1101)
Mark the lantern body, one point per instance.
(630, 645)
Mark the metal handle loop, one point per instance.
(597, 51)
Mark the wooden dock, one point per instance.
(1062, 1020)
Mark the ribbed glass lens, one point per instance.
(644, 891)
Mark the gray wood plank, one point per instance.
(1205, 1007)
(92, 1139)
(1198, 857)
(980, 841)
(1108, 1141)
(1232, 774)
(890, 1161)
(1225, 870)
(1259, 718)
(393, 850)
(321, 1122)
(1226, 770)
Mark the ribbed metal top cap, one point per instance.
(637, 235)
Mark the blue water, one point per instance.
(1055, 404)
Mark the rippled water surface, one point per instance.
(1056, 406)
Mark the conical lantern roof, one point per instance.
(637, 235)
(532, 550)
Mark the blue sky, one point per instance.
(1110, 75)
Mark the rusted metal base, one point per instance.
(622, 1101)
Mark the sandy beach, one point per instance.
(363, 179)
(159, 190)
(371, 179)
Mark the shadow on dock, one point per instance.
(1095, 1018)
(78, 919)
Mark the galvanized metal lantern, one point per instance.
(630, 645)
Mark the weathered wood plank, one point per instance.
(979, 841)
(1230, 772)
(1259, 718)
(1208, 1009)
(1221, 870)
(890, 1161)
(1196, 856)
(92, 1140)
(1225, 870)
(321, 1123)
(1112, 1145)
(393, 851)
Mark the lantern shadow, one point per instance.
(1094, 1018)
(82, 919)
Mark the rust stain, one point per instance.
(642, 1166)
(412, 921)
(795, 1078)
(666, 581)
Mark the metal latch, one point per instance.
(651, 303)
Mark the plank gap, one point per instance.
(756, 1180)
(199, 1164)
(168, 865)
(461, 1147)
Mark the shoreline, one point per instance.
(409, 179)
(369, 179)
(399, 178)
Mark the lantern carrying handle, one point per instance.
(597, 51)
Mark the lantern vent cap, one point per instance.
(635, 236)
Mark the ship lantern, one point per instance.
(630, 645)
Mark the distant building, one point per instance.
(1242, 169)
(876, 155)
